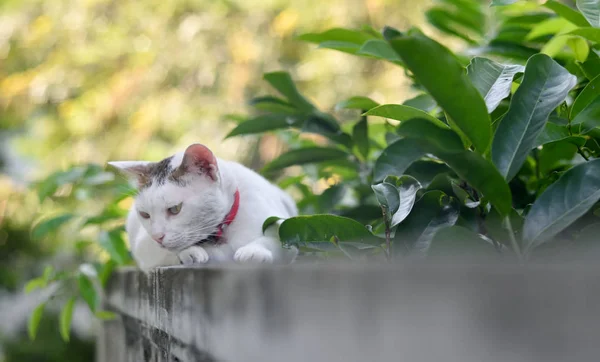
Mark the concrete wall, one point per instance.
(354, 313)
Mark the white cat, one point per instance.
(193, 207)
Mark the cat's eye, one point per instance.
(145, 215)
(175, 209)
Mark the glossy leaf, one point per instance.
(589, 117)
(396, 158)
(575, 192)
(34, 320)
(555, 133)
(407, 188)
(448, 83)
(492, 80)
(434, 211)
(545, 86)
(269, 221)
(402, 113)
(304, 230)
(388, 198)
(66, 315)
(590, 10)
(50, 225)
(304, 156)
(469, 166)
(587, 96)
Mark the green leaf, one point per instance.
(355, 37)
(264, 123)
(469, 166)
(113, 243)
(105, 272)
(591, 67)
(330, 198)
(304, 156)
(448, 83)
(589, 117)
(269, 221)
(545, 86)
(442, 138)
(272, 105)
(396, 158)
(548, 27)
(284, 84)
(88, 292)
(306, 230)
(388, 197)
(379, 49)
(50, 225)
(575, 192)
(492, 80)
(590, 10)
(591, 34)
(33, 284)
(496, 226)
(587, 96)
(105, 315)
(434, 211)
(460, 241)
(407, 187)
(402, 113)
(360, 136)
(554, 133)
(567, 12)
(34, 320)
(423, 102)
(362, 103)
(66, 314)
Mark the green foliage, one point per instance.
(494, 155)
(484, 161)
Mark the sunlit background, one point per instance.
(87, 81)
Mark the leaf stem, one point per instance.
(513, 240)
(388, 242)
(580, 151)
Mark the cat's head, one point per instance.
(180, 199)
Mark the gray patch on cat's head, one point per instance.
(161, 172)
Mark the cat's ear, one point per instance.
(198, 159)
(137, 172)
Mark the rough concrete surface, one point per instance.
(348, 313)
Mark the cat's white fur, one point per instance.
(205, 202)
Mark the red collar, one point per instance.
(230, 216)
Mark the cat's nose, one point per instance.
(158, 237)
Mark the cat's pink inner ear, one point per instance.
(198, 158)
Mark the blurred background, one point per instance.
(87, 81)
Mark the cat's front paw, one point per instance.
(253, 253)
(193, 255)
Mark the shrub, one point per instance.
(496, 154)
